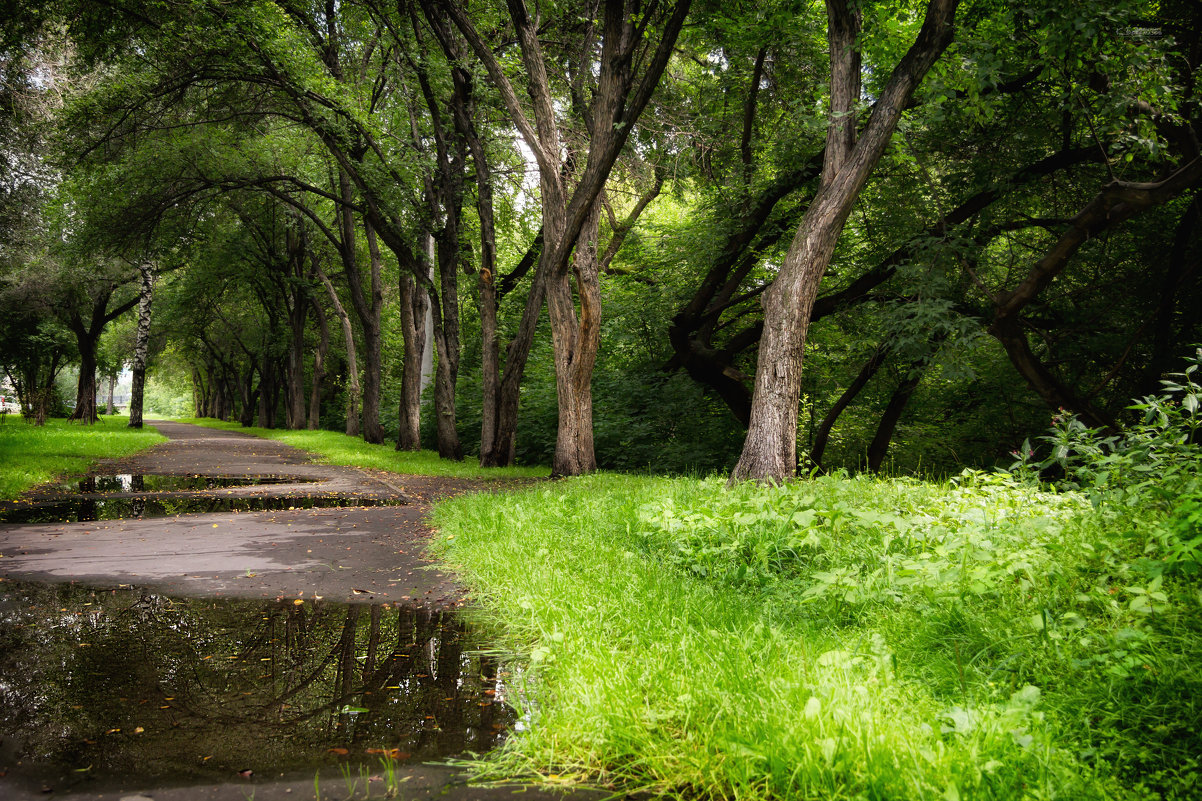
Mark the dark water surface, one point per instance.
(85, 500)
(139, 482)
(99, 687)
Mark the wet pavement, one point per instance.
(300, 530)
(164, 651)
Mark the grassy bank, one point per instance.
(333, 447)
(31, 455)
(842, 637)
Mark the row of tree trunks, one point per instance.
(568, 213)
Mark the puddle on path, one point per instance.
(102, 688)
(139, 482)
(90, 508)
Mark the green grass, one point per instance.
(841, 638)
(31, 455)
(333, 447)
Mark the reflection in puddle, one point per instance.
(99, 687)
(138, 482)
(92, 508)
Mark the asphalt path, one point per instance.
(366, 553)
(375, 554)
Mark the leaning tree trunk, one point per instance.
(823, 432)
(353, 392)
(879, 447)
(770, 449)
(141, 347)
(509, 392)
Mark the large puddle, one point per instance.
(138, 482)
(84, 500)
(89, 509)
(107, 687)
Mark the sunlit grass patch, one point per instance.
(835, 638)
(31, 455)
(333, 447)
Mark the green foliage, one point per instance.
(31, 455)
(1153, 459)
(839, 638)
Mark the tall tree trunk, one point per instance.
(294, 397)
(269, 391)
(490, 354)
(141, 347)
(368, 304)
(446, 325)
(770, 449)
(618, 102)
(85, 392)
(575, 342)
(249, 396)
(414, 305)
(87, 336)
(319, 364)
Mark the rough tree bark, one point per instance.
(414, 305)
(618, 102)
(770, 449)
(575, 347)
(141, 346)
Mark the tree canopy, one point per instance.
(964, 214)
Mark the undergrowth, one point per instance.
(987, 637)
(31, 455)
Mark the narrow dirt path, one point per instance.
(360, 553)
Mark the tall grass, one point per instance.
(31, 455)
(332, 447)
(837, 638)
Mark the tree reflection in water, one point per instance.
(115, 684)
